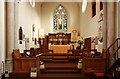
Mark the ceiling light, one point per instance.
(33, 5)
(84, 5)
(32, 2)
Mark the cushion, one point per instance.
(99, 74)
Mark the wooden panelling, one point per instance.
(59, 38)
(94, 64)
(87, 44)
(23, 64)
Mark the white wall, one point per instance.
(89, 25)
(47, 15)
(2, 34)
(27, 16)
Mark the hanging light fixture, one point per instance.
(32, 2)
(33, 5)
(84, 5)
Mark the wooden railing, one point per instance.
(113, 55)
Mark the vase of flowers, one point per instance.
(80, 42)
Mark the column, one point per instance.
(118, 19)
(104, 25)
(10, 28)
(2, 36)
(110, 28)
(110, 23)
(16, 26)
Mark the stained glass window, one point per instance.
(60, 19)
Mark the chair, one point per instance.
(24, 64)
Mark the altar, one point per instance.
(60, 49)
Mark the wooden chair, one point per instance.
(24, 64)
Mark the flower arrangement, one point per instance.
(80, 40)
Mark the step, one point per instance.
(60, 60)
(64, 65)
(60, 57)
(53, 75)
(61, 70)
(58, 67)
(61, 54)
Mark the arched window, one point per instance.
(60, 19)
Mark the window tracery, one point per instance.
(60, 19)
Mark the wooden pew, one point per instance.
(96, 65)
(24, 64)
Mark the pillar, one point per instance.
(104, 25)
(110, 28)
(9, 29)
(2, 36)
(118, 19)
(110, 23)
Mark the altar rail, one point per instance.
(69, 54)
